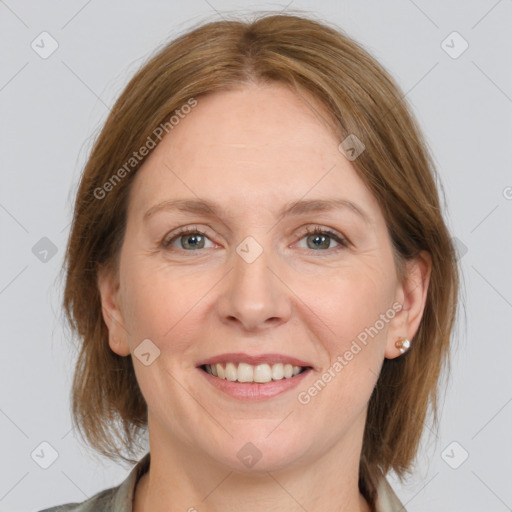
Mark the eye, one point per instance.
(320, 238)
(191, 238)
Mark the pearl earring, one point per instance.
(403, 344)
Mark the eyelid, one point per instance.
(342, 241)
(184, 230)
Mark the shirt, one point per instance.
(120, 498)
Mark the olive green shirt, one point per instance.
(120, 498)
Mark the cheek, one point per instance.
(162, 303)
(351, 318)
(353, 299)
(153, 302)
(353, 337)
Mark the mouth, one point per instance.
(254, 383)
(262, 373)
(258, 377)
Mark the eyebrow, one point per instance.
(295, 208)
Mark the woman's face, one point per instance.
(256, 283)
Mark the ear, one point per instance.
(412, 294)
(108, 286)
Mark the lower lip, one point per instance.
(254, 391)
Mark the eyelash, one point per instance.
(317, 230)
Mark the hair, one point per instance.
(308, 56)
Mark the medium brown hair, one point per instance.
(311, 57)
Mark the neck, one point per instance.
(181, 479)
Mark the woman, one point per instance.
(260, 275)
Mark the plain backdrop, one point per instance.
(52, 105)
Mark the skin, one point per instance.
(253, 150)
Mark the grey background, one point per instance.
(51, 108)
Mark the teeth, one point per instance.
(245, 373)
(231, 373)
(277, 371)
(260, 373)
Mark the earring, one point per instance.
(403, 344)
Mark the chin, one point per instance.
(261, 455)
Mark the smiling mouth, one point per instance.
(260, 374)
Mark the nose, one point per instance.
(254, 294)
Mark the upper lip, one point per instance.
(240, 357)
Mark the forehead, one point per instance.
(257, 145)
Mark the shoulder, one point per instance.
(115, 499)
(101, 502)
(387, 500)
